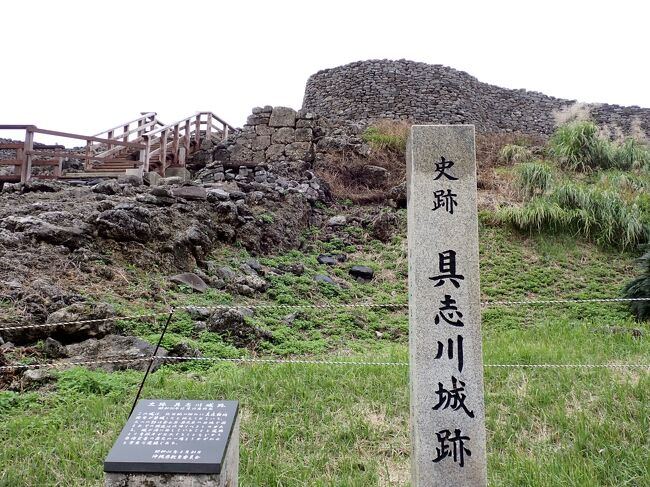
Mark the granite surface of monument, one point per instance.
(446, 368)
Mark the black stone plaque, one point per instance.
(171, 436)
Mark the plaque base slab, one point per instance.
(229, 476)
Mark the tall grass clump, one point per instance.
(631, 154)
(640, 288)
(601, 216)
(533, 178)
(578, 147)
(513, 153)
(625, 182)
(538, 214)
(387, 135)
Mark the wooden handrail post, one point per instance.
(58, 170)
(140, 130)
(197, 131)
(20, 156)
(87, 163)
(175, 143)
(26, 173)
(187, 137)
(125, 137)
(147, 153)
(225, 131)
(208, 127)
(110, 136)
(163, 150)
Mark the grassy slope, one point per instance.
(318, 425)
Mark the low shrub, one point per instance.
(490, 145)
(369, 179)
(640, 288)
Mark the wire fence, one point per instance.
(289, 307)
(244, 360)
(267, 306)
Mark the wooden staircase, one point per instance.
(143, 144)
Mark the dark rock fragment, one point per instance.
(190, 279)
(362, 273)
(325, 279)
(327, 260)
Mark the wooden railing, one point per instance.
(27, 156)
(175, 141)
(145, 138)
(133, 131)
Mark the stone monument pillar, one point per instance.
(446, 367)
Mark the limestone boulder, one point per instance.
(283, 117)
(95, 318)
(109, 187)
(275, 152)
(284, 135)
(231, 325)
(362, 273)
(190, 193)
(126, 224)
(298, 151)
(114, 347)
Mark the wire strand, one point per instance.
(318, 306)
(81, 322)
(245, 360)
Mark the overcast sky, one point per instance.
(83, 66)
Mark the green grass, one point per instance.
(387, 135)
(334, 425)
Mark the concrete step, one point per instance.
(92, 175)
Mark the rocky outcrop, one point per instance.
(232, 326)
(79, 233)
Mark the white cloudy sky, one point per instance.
(82, 66)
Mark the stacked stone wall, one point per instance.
(275, 134)
(423, 93)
